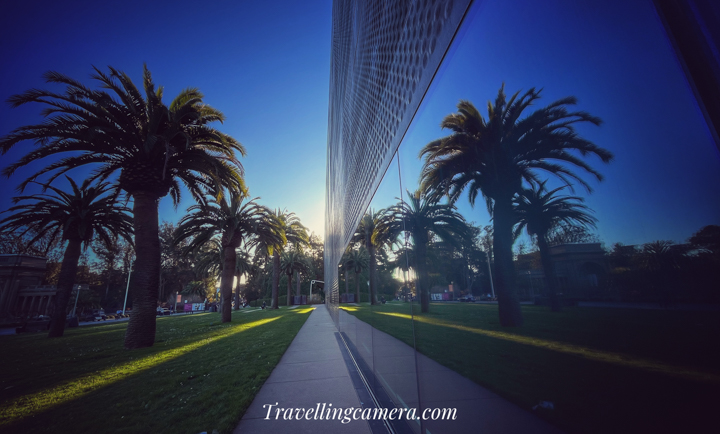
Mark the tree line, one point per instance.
(138, 150)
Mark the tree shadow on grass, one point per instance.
(206, 383)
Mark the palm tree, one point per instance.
(541, 212)
(290, 262)
(292, 232)
(243, 266)
(208, 258)
(369, 235)
(346, 268)
(424, 219)
(79, 216)
(269, 241)
(494, 156)
(155, 149)
(357, 261)
(235, 222)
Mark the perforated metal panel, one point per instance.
(384, 56)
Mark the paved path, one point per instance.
(311, 372)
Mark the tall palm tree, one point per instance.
(78, 217)
(268, 242)
(235, 222)
(369, 235)
(358, 261)
(493, 156)
(153, 147)
(292, 261)
(540, 212)
(292, 231)
(424, 219)
(243, 265)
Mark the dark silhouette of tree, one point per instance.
(540, 212)
(288, 229)
(292, 261)
(155, 149)
(235, 222)
(493, 156)
(424, 219)
(77, 217)
(357, 261)
(707, 240)
(243, 266)
(369, 236)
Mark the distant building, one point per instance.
(581, 270)
(17, 273)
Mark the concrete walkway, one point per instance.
(311, 372)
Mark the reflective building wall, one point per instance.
(522, 217)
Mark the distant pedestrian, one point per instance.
(263, 305)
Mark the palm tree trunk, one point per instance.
(275, 278)
(237, 292)
(549, 270)
(347, 284)
(423, 286)
(372, 268)
(297, 284)
(508, 303)
(146, 278)
(66, 279)
(226, 281)
(289, 286)
(357, 287)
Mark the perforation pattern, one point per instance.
(384, 55)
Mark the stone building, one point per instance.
(581, 270)
(19, 273)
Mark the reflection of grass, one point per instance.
(200, 375)
(606, 370)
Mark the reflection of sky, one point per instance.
(665, 180)
(266, 66)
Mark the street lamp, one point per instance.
(492, 286)
(127, 288)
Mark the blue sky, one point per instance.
(266, 66)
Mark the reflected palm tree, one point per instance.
(369, 235)
(357, 260)
(493, 156)
(540, 212)
(86, 213)
(424, 219)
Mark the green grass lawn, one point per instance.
(606, 370)
(201, 375)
